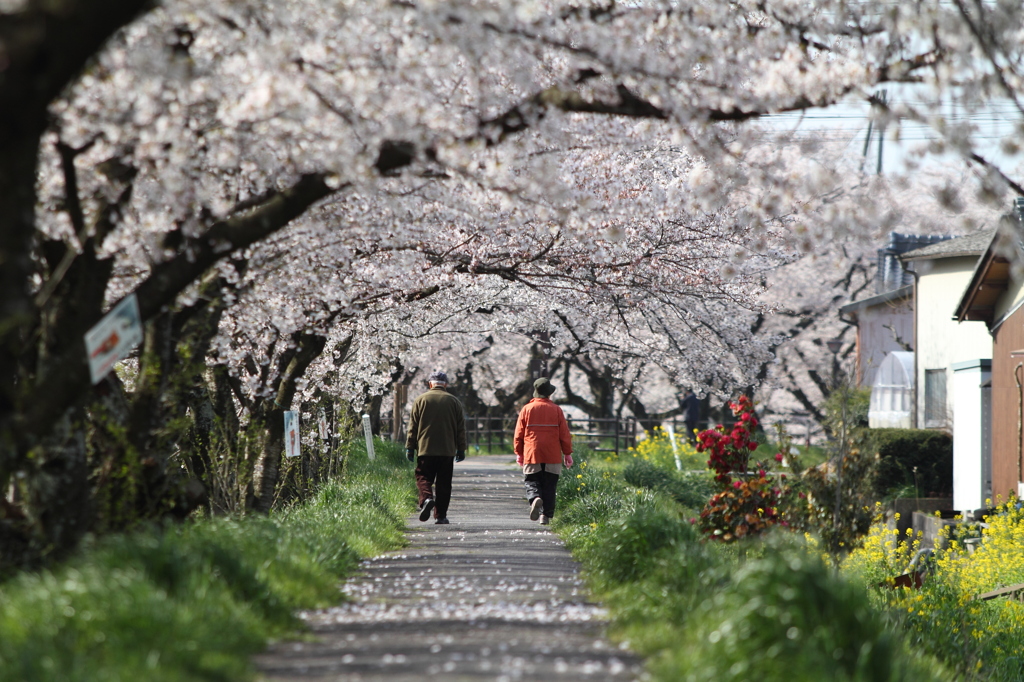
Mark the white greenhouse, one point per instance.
(892, 396)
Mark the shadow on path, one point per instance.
(492, 596)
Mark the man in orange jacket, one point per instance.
(542, 445)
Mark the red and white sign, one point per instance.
(113, 337)
(292, 438)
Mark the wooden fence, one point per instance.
(1014, 592)
(604, 435)
(493, 434)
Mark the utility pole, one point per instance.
(880, 99)
(881, 133)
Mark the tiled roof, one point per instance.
(971, 245)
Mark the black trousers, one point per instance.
(434, 479)
(542, 484)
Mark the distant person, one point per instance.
(437, 434)
(691, 414)
(542, 445)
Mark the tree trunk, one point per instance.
(600, 382)
(308, 348)
(45, 47)
(58, 500)
(373, 409)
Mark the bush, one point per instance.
(847, 408)
(193, 602)
(630, 543)
(644, 474)
(690, 490)
(786, 616)
(944, 618)
(901, 450)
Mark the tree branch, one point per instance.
(68, 377)
(45, 46)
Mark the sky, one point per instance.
(848, 123)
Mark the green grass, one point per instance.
(195, 601)
(810, 455)
(689, 489)
(765, 609)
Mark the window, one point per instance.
(935, 398)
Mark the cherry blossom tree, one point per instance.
(269, 178)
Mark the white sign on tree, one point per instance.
(368, 434)
(292, 445)
(112, 338)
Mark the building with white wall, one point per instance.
(942, 273)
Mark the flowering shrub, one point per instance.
(944, 616)
(751, 503)
(883, 555)
(730, 452)
(751, 507)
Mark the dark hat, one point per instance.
(439, 377)
(543, 387)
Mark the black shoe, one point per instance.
(535, 508)
(441, 521)
(428, 505)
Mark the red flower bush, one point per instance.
(752, 503)
(730, 452)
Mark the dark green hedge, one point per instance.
(900, 450)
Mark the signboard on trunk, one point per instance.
(292, 446)
(113, 338)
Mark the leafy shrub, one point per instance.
(687, 489)
(631, 542)
(821, 488)
(846, 408)
(901, 450)
(644, 474)
(786, 616)
(692, 490)
(979, 638)
(193, 602)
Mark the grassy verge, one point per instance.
(765, 610)
(193, 602)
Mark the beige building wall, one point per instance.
(941, 340)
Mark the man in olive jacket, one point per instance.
(437, 433)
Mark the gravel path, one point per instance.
(492, 596)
